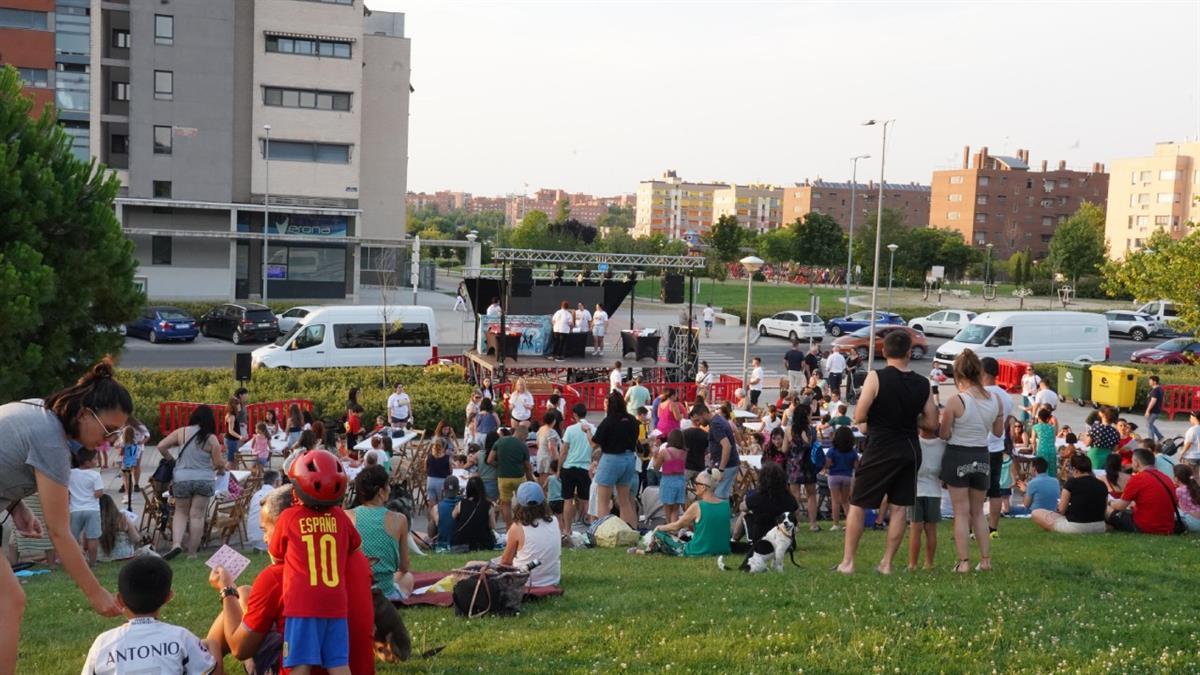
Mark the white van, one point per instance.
(352, 335)
(1032, 336)
(1162, 311)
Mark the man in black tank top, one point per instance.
(893, 403)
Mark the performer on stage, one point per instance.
(583, 324)
(599, 325)
(561, 323)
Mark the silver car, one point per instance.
(1134, 325)
(794, 324)
(943, 322)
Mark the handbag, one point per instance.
(489, 589)
(164, 473)
(1180, 526)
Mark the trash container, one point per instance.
(1114, 385)
(1075, 382)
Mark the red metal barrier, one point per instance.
(174, 414)
(456, 359)
(723, 389)
(1010, 375)
(1180, 398)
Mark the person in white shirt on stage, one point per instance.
(614, 378)
(599, 326)
(583, 322)
(561, 324)
(494, 308)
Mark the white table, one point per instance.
(398, 442)
(752, 460)
(753, 426)
(278, 444)
(744, 414)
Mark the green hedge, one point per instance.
(438, 394)
(1189, 375)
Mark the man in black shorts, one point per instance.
(894, 401)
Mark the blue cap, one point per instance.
(529, 493)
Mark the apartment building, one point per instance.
(442, 200)
(756, 207)
(673, 207)
(834, 200)
(1145, 194)
(999, 200)
(224, 115)
(584, 207)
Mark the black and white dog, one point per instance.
(769, 551)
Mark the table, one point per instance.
(753, 426)
(512, 344)
(752, 460)
(642, 346)
(576, 347)
(398, 442)
(278, 442)
(745, 414)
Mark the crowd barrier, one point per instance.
(174, 414)
(1010, 375)
(1180, 398)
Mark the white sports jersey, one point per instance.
(146, 645)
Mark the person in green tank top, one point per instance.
(708, 517)
(384, 534)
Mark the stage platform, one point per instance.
(586, 369)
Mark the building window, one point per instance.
(162, 140)
(120, 38)
(981, 217)
(160, 250)
(981, 199)
(955, 197)
(1143, 221)
(1046, 238)
(119, 144)
(34, 77)
(72, 29)
(1064, 182)
(1047, 221)
(308, 46)
(1129, 225)
(164, 85)
(72, 87)
(22, 18)
(299, 151)
(1061, 219)
(1146, 176)
(1167, 174)
(1162, 221)
(1168, 198)
(164, 29)
(956, 180)
(952, 215)
(983, 181)
(162, 189)
(120, 91)
(1143, 198)
(306, 98)
(80, 135)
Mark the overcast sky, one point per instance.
(593, 97)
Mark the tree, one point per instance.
(531, 233)
(1166, 269)
(725, 239)
(1078, 247)
(563, 211)
(864, 241)
(66, 268)
(1020, 268)
(922, 248)
(777, 246)
(617, 218)
(817, 239)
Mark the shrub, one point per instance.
(438, 393)
(1170, 374)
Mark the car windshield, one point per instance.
(1176, 345)
(862, 332)
(283, 339)
(260, 315)
(974, 334)
(173, 315)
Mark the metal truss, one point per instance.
(629, 260)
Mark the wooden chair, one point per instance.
(227, 519)
(156, 514)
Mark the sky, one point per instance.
(596, 96)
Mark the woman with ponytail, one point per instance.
(1187, 494)
(43, 440)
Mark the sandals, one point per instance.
(985, 564)
(959, 568)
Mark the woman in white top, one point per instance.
(599, 325)
(966, 421)
(704, 380)
(534, 535)
(1190, 450)
(520, 402)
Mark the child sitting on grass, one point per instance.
(145, 644)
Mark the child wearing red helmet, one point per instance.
(314, 540)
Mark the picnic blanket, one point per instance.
(446, 599)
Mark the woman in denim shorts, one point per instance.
(617, 436)
(199, 458)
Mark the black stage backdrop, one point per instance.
(545, 299)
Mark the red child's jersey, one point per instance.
(353, 423)
(315, 547)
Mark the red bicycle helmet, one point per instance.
(319, 479)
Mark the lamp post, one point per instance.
(878, 240)
(987, 270)
(266, 209)
(891, 265)
(751, 264)
(850, 238)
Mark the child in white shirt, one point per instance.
(926, 512)
(84, 488)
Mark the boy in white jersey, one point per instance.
(145, 644)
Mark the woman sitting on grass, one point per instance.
(708, 517)
(1080, 503)
(533, 535)
(764, 506)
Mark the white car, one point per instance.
(293, 316)
(944, 322)
(794, 324)
(1134, 325)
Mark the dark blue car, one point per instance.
(157, 324)
(849, 324)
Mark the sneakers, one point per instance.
(993, 533)
(173, 553)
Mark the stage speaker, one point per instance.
(672, 289)
(241, 366)
(522, 282)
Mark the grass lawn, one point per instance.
(1113, 603)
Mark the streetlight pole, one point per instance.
(266, 210)
(878, 241)
(891, 265)
(987, 271)
(850, 239)
(751, 264)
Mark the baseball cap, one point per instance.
(530, 493)
(450, 487)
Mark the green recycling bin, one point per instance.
(1075, 382)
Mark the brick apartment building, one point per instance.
(997, 199)
(833, 199)
(27, 43)
(585, 208)
(1152, 193)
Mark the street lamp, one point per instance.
(850, 239)
(878, 240)
(891, 265)
(266, 209)
(987, 271)
(751, 264)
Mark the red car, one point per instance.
(857, 341)
(1175, 350)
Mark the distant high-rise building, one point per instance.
(1152, 193)
(674, 207)
(756, 207)
(998, 200)
(833, 200)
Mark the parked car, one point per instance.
(1032, 336)
(352, 335)
(859, 339)
(157, 324)
(793, 324)
(240, 323)
(945, 322)
(1133, 325)
(292, 317)
(849, 324)
(1175, 350)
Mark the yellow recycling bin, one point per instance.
(1114, 385)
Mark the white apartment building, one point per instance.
(756, 207)
(674, 207)
(1152, 193)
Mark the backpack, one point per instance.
(611, 532)
(489, 589)
(816, 452)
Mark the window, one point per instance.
(21, 18)
(120, 38)
(80, 134)
(72, 87)
(164, 85)
(34, 77)
(952, 215)
(1064, 182)
(1047, 221)
(981, 199)
(955, 197)
(370, 335)
(316, 264)
(1144, 198)
(1168, 198)
(1129, 225)
(308, 46)
(72, 30)
(1162, 221)
(164, 29)
(311, 336)
(120, 91)
(162, 189)
(297, 151)
(981, 217)
(119, 144)
(1001, 338)
(1046, 238)
(1166, 174)
(1143, 221)
(956, 180)
(379, 259)
(162, 140)
(983, 181)
(160, 250)
(1146, 176)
